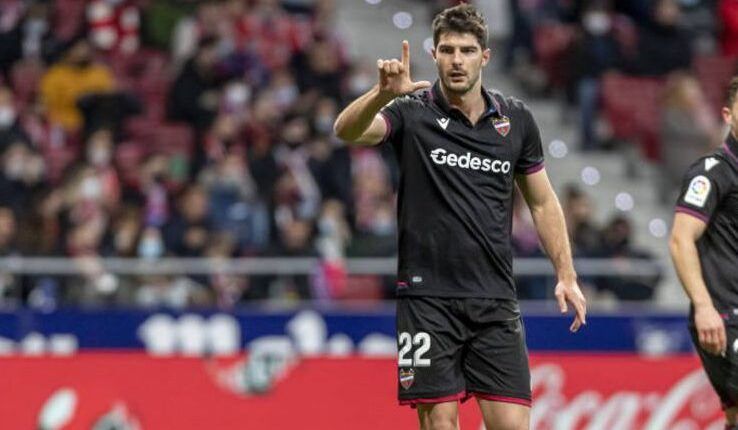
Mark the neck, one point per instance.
(471, 103)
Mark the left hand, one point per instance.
(570, 292)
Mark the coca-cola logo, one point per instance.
(687, 404)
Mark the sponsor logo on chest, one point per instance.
(468, 161)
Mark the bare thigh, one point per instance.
(504, 416)
(439, 416)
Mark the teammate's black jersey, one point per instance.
(455, 195)
(710, 193)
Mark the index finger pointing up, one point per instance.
(405, 54)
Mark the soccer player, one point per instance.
(704, 248)
(461, 149)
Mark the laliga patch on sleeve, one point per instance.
(698, 191)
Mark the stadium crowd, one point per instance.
(152, 128)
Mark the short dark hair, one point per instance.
(463, 18)
(732, 92)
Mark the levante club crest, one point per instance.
(407, 377)
(502, 125)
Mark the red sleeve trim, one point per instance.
(503, 399)
(692, 212)
(534, 168)
(450, 398)
(388, 130)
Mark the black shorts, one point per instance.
(721, 371)
(451, 349)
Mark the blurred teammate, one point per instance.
(704, 247)
(461, 148)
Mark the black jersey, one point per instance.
(710, 193)
(455, 192)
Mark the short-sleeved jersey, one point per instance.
(455, 192)
(710, 192)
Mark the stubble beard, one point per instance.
(449, 86)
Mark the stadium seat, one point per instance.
(128, 157)
(57, 159)
(70, 16)
(714, 73)
(631, 106)
(25, 79)
(551, 43)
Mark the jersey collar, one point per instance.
(731, 147)
(493, 108)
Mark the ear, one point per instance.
(433, 54)
(486, 56)
(727, 115)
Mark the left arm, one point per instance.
(549, 220)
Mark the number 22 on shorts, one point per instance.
(406, 341)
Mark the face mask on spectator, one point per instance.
(597, 23)
(150, 247)
(286, 95)
(7, 116)
(90, 188)
(324, 124)
(360, 83)
(37, 26)
(237, 95)
(99, 157)
(13, 169)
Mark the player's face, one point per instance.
(730, 117)
(459, 59)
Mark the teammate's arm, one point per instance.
(684, 235)
(549, 220)
(360, 122)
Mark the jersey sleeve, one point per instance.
(703, 188)
(531, 154)
(394, 118)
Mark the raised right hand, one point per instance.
(710, 329)
(394, 75)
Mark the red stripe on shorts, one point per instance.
(504, 399)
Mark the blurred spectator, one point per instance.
(375, 220)
(25, 33)
(333, 235)
(321, 70)
(207, 22)
(125, 233)
(99, 155)
(176, 292)
(8, 231)
(152, 193)
(21, 178)
(113, 25)
(297, 194)
(9, 284)
(235, 206)
(10, 128)
(228, 289)
(616, 244)
(688, 131)
(194, 97)
(663, 44)
(582, 229)
(525, 243)
(596, 52)
(270, 32)
(186, 234)
(108, 110)
(65, 82)
(294, 239)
